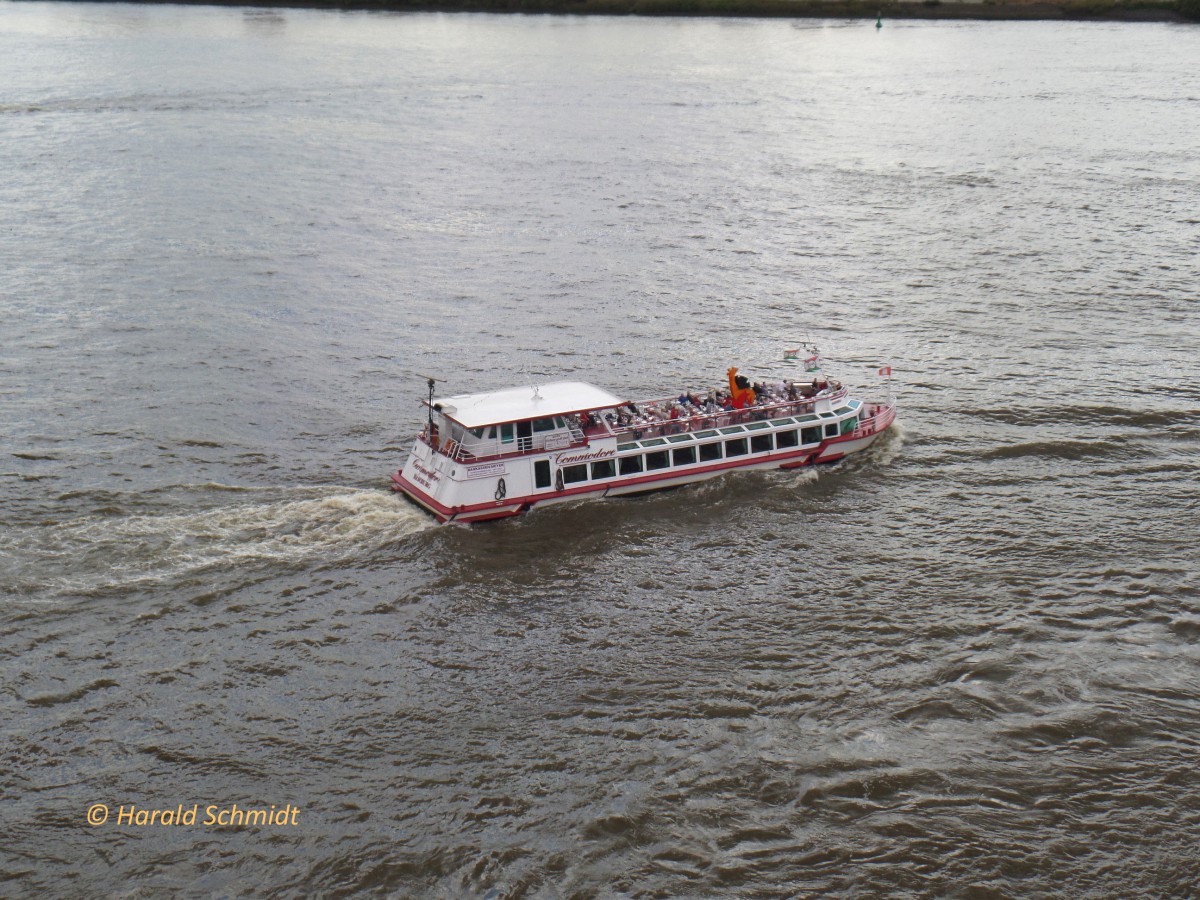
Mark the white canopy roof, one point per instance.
(516, 404)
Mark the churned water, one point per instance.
(233, 241)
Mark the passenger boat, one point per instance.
(504, 452)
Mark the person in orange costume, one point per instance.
(741, 396)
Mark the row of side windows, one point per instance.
(505, 432)
(684, 456)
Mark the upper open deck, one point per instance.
(559, 423)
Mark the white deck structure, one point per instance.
(515, 404)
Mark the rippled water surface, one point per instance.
(965, 663)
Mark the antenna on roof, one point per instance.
(532, 384)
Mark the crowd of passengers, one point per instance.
(692, 410)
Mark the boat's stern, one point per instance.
(455, 491)
(424, 479)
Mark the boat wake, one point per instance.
(103, 552)
(881, 454)
(889, 446)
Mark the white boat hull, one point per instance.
(456, 491)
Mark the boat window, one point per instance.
(781, 421)
(659, 459)
(653, 442)
(543, 425)
(572, 474)
(606, 468)
(709, 452)
(627, 446)
(631, 465)
(831, 430)
(735, 447)
(786, 439)
(706, 434)
(808, 418)
(506, 433)
(683, 456)
(760, 443)
(477, 432)
(841, 410)
(756, 426)
(680, 438)
(825, 415)
(855, 404)
(732, 429)
(541, 473)
(811, 435)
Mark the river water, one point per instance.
(232, 241)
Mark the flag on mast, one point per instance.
(812, 362)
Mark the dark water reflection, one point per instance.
(961, 664)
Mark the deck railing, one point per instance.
(650, 427)
(520, 447)
(659, 427)
(876, 417)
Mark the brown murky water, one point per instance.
(962, 664)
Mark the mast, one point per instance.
(431, 381)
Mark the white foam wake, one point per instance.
(103, 552)
(887, 446)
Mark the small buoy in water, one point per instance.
(879, 21)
